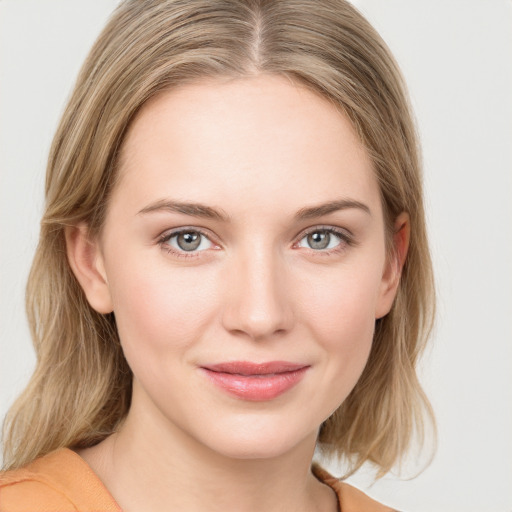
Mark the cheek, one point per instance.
(342, 304)
(158, 307)
(340, 314)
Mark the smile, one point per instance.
(253, 381)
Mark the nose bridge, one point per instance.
(257, 302)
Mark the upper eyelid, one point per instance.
(333, 229)
(345, 239)
(206, 232)
(342, 232)
(169, 233)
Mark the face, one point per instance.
(243, 255)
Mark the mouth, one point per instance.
(255, 381)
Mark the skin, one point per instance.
(259, 151)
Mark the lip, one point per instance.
(255, 381)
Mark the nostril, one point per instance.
(257, 301)
(257, 321)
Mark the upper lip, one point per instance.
(250, 368)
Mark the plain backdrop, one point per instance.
(456, 56)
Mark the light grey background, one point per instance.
(456, 56)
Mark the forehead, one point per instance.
(229, 140)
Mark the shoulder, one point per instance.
(350, 498)
(36, 486)
(60, 481)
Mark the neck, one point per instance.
(147, 466)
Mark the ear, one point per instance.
(86, 262)
(394, 265)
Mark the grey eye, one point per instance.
(189, 241)
(320, 240)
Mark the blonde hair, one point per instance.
(81, 387)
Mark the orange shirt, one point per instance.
(63, 482)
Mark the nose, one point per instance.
(258, 300)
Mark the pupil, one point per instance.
(189, 241)
(319, 240)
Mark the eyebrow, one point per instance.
(208, 212)
(332, 206)
(192, 209)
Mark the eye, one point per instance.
(323, 239)
(188, 240)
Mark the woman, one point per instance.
(233, 267)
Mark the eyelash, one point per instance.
(346, 240)
(164, 239)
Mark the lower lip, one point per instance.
(257, 388)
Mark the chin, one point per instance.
(254, 449)
(260, 441)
